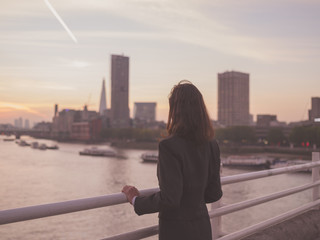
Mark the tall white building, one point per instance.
(26, 124)
(18, 122)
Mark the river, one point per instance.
(30, 177)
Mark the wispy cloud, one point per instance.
(9, 107)
(57, 87)
(184, 21)
(178, 20)
(79, 64)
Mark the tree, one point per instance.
(236, 134)
(306, 135)
(136, 134)
(276, 137)
(297, 135)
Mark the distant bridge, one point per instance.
(28, 132)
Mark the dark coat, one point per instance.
(189, 177)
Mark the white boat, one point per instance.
(297, 162)
(247, 161)
(98, 152)
(150, 157)
(288, 163)
(279, 163)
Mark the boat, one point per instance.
(94, 151)
(247, 161)
(288, 163)
(42, 146)
(53, 147)
(23, 143)
(34, 144)
(8, 139)
(279, 163)
(298, 162)
(150, 157)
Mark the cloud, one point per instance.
(178, 20)
(56, 87)
(185, 21)
(79, 64)
(11, 107)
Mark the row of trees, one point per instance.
(237, 134)
(307, 136)
(299, 136)
(136, 134)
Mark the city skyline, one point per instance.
(276, 42)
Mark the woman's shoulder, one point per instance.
(171, 140)
(173, 143)
(178, 141)
(214, 143)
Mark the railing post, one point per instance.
(216, 221)
(315, 176)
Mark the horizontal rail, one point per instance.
(256, 201)
(270, 222)
(137, 234)
(149, 231)
(267, 173)
(52, 209)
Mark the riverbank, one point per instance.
(266, 149)
(301, 153)
(135, 145)
(304, 153)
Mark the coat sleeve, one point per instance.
(213, 190)
(170, 183)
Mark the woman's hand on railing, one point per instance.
(130, 192)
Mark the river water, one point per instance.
(30, 177)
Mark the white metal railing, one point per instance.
(46, 210)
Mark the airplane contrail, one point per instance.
(61, 21)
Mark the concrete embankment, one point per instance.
(303, 227)
(266, 149)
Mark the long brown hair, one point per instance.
(188, 116)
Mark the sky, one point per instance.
(276, 41)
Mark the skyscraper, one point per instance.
(103, 100)
(18, 122)
(119, 91)
(314, 112)
(233, 98)
(26, 124)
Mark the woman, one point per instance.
(188, 170)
